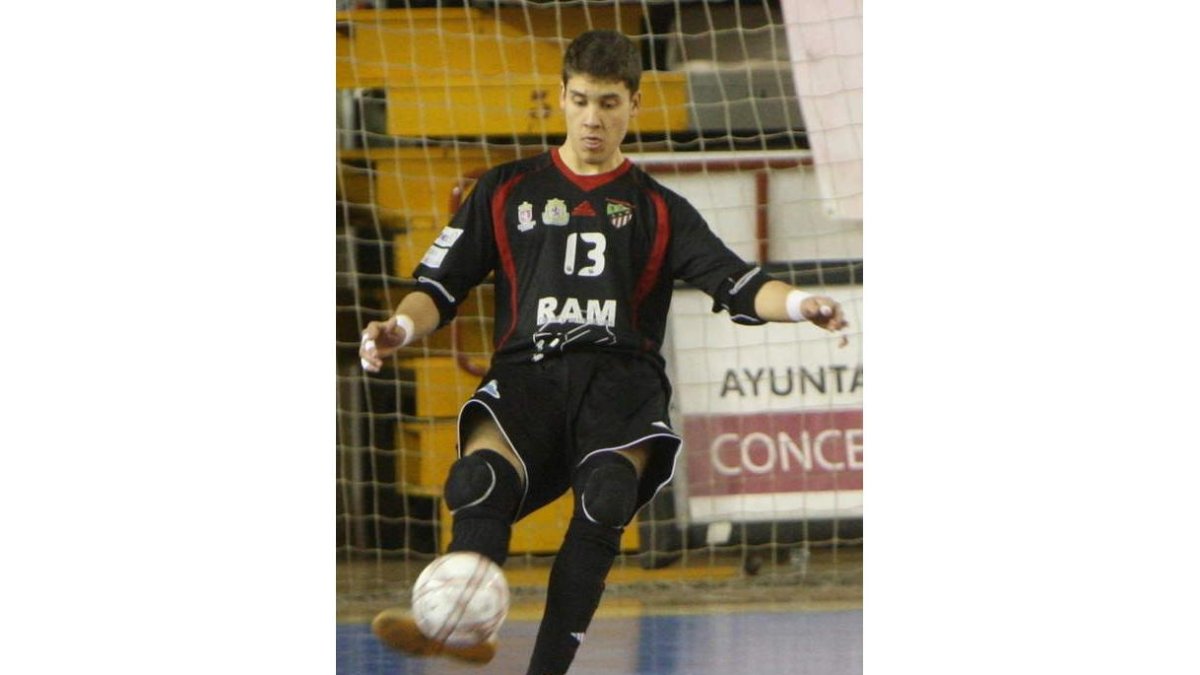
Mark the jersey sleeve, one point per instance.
(463, 254)
(701, 259)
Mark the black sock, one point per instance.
(576, 584)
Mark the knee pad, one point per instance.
(483, 481)
(606, 490)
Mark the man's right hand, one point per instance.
(380, 340)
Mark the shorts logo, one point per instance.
(556, 212)
(492, 388)
(525, 221)
(619, 212)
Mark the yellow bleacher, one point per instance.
(474, 72)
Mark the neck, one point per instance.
(582, 168)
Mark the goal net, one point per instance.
(752, 111)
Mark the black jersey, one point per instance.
(581, 262)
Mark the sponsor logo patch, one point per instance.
(588, 312)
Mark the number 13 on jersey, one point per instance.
(595, 253)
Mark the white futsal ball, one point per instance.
(460, 599)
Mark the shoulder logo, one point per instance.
(434, 256)
(619, 212)
(555, 212)
(525, 221)
(448, 236)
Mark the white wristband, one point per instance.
(403, 321)
(794, 298)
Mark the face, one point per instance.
(598, 115)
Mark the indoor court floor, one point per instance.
(824, 642)
(719, 622)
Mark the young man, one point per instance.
(585, 248)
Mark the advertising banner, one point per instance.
(771, 416)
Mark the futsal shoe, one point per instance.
(397, 629)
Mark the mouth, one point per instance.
(593, 142)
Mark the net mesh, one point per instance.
(768, 492)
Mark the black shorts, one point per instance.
(557, 412)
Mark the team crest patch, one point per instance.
(556, 212)
(525, 221)
(619, 212)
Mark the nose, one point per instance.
(591, 117)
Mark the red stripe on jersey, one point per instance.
(662, 235)
(507, 264)
(589, 183)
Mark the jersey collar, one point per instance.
(589, 183)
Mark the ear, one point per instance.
(635, 103)
(562, 95)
